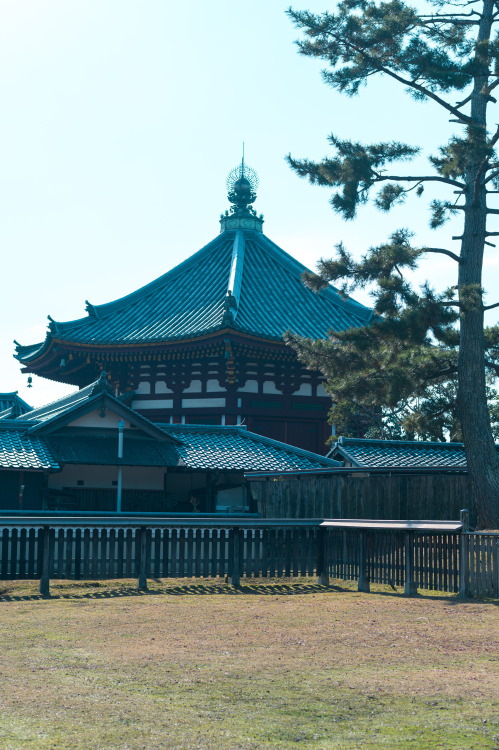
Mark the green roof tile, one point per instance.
(400, 453)
(20, 451)
(191, 300)
(234, 448)
(192, 446)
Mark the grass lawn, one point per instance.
(195, 664)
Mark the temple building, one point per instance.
(203, 344)
(66, 456)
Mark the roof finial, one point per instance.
(242, 184)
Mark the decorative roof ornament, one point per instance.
(242, 184)
(101, 385)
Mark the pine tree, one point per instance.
(422, 347)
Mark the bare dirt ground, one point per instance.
(196, 664)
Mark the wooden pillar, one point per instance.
(46, 559)
(21, 487)
(464, 558)
(142, 583)
(209, 494)
(364, 584)
(495, 563)
(323, 556)
(236, 556)
(410, 588)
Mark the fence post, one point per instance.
(495, 563)
(363, 584)
(45, 576)
(323, 556)
(410, 587)
(236, 557)
(142, 583)
(464, 557)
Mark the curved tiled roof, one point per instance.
(191, 446)
(236, 449)
(400, 453)
(192, 300)
(20, 451)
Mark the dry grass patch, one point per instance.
(269, 666)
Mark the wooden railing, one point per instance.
(434, 563)
(414, 556)
(480, 564)
(156, 548)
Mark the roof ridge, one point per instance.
(293, 448)
(236, 272)
(381, 441)
(59, 403)
(286, 259)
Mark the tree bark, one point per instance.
(481, 454)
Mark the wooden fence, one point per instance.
(185, 548)
(101, 548)
(434, 564)
(359, 493)
(480, 564)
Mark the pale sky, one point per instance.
(120, 121)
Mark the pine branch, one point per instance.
(427, 178)
(491, 86)
(455, 22)
(458, 105)
(442, 251)
(375, 63)
(491, 177)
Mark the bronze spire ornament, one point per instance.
(242, 184)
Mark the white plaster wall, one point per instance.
(160, 403)
(144, 387)
(251, 386)
(321, 391)
(213, 386)
(93, 419)
(203, 403)
(305, 389)
(161, 387)
(195, 386)
(269, 387)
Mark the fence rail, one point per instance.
(75, 548)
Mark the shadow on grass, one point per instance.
(194, 589)
(220, 589)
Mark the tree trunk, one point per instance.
(481, 454)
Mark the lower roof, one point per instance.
(49, 437)
(399, 453)
(234, 448)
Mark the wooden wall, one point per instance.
(437, 496)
